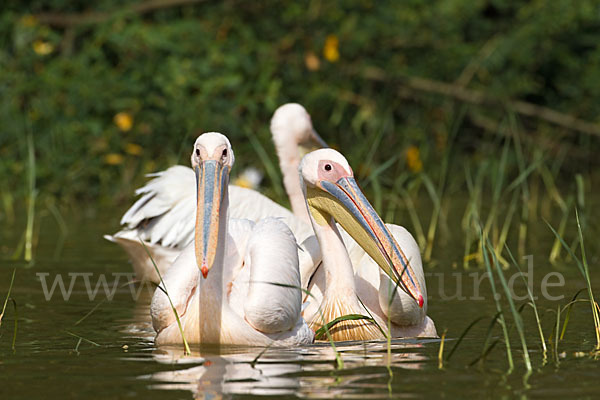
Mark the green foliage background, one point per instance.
(226, 65)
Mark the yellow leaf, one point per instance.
(331, 50)
(413, 159)
(113, 159)
(124, 121)
(42, 48)
(133, 149)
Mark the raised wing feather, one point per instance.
(165, 214)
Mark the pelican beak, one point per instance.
(313, 143)
(318, 143)
(345, 202)
(212, 179)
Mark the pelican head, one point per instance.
(291, 125)
(332, 194)
(212, 159)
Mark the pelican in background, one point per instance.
(163, 217)
(238, 282)
(388, 277)
(294, 137)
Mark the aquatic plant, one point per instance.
(14, 303)
(163, 288)
(583, 267)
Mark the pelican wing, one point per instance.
(165, 212)
(378, 291)
(179, 283)
(267, 289)
(163, 217)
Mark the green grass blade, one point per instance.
(90, 312)
(373, 318)
(435, 216)
(185, 343)
(531, 298)
(484, 354)
(82, 338)
(462, 336)
(31, 199)
(516, 316)
(441, 351)
(16, 311)
(556, 246)
(584, 269)
(523, 176)
(568, 310)
(497, 302)
(10, 286)
(549, 182)
(319, 333)
(12, 281)
(557, 326)
(488, 336)
(377, 171)
(506, 224)
(414, 218)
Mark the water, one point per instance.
(110, 352)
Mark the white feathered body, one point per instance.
(254, 299)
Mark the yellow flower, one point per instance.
(42, 48)
(413, 159)
(113, 159)
(124, 121)
(331, 50)
(133, 149)
(311, 61)
(28, 20)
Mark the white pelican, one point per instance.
(333, 195)
(163, 216)
(294, 136)
(228, 285)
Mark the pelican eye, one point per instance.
(198, 152)
(224, 153)
(327, 167)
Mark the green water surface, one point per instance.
(110, 352)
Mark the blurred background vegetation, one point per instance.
(429, 97)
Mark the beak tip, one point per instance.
(419, 300)
(204, 270)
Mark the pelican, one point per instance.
(387, 277)
(163, 216)
(238, 282)
(294, 136)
